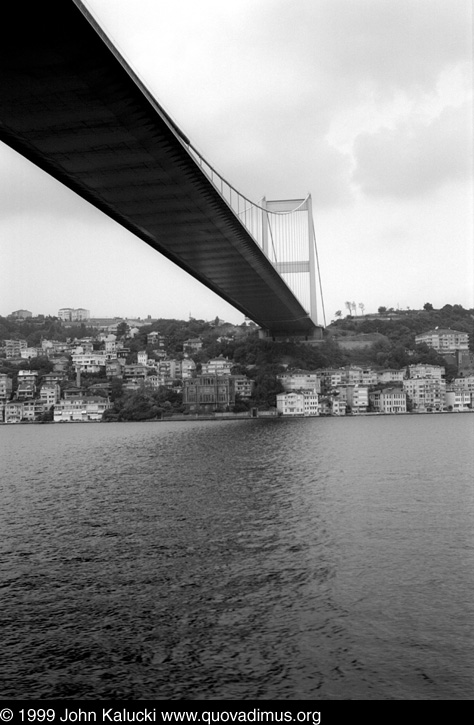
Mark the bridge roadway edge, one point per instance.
(193, 235)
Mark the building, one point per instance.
(355, 396)
(444, 340)
(142, 357)
(188, 368)
(110, 345)
(169, 369)
(13, 412)
(13, 348)
(457, 399)
(435, 372)
(389, 400)
(426, 395)
(332, 404)
(30, 352)
(88, 362)
(217, 366)
(50, 394)
(290, 403)
(243, 386)
(32, 409)
(6, 385)
(154, 338)
(68, 314)
(193, 344)
(208, 392)
(465, 382)
(25, 391)
(28, 376)
(355, 375)
(300, 380)
(298, 403)
(21, 314)
(330, 378)
(113, 369)
(390, 376)
(135, 373)
(82, 409)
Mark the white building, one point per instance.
(89, 362)
(389, 400)
(13, 412)
(444, 340)
(217, 366)
(457, 400)
(69, 314)
(466, 383)
(301, 403)
(290, 404)
(390, 376)
(435, 372)
(81, 409)
(300, 380)
(110, 344)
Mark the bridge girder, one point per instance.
(70, 104)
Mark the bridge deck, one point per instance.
(70, 104)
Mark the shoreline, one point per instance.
(237, 416)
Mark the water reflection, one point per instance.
(249, 559)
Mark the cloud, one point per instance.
(413, 160)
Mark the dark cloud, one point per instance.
(413, 160)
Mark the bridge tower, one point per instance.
(288, 240)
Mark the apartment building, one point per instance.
(435, 372)
(81, 409)
(217, 366)
(50, 395)
(426, 394)
(290, 403)
(5, 387)
(13, 412)
(89, 362)
(243, 386)
(300, 380)
(457, 399)
(389, 376)
(13, 348)
(355, 396)
(444, 340)
(70, 314)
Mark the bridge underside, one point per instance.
(71, 105)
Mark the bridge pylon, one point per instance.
(288, 241)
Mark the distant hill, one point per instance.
(401, 326)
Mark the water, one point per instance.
(286, 559)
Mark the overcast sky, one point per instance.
(366, 104)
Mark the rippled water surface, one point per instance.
(253, 559)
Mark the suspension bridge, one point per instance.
(72, 105)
